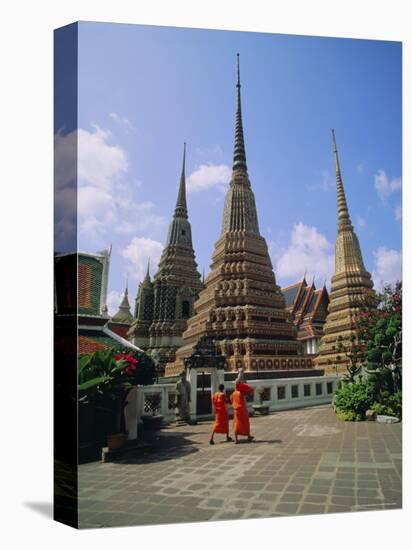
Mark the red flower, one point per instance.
(131, 362)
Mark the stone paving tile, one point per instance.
(312, 508)
(302, 462)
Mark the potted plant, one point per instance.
(105, 380)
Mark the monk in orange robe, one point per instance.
(241, 424)
(221, 425)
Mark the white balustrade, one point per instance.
(284, 393)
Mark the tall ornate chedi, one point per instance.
(241, 307)
(350, 284)
(164, 305)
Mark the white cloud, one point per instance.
(360, 222)
(309, 251)
(398, 213)
(122, 121)
(107, 201)
(385, 187)
(138, 252)
(99, 163)
(114, 298)
(92, 200)
(388, 266)
(208, 176)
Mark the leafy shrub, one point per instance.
(348, 416)
(105, 379)
(390, 405)
(381, 379)
(353, 399)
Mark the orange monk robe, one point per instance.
(241, 424)
(221, 425)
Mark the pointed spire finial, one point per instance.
(239, 154)
(335, 152)
(181, 206)
(124, 314)
(343, 212)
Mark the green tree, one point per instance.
(380, 332)
(354, 352)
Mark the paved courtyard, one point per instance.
(302, 462)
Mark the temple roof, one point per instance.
(304, 300)
(91, 339)
(289, 293)
(81, 283)
(123, 314)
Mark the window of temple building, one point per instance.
(329, 387)
(319, 389)
(183, 231)
(306, 390)
(185, 309)
(281, 392)
(295, 391)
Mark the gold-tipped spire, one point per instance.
(344, 221)
(181, 206)
(239, 153)
(350, 284)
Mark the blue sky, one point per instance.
(143, 91)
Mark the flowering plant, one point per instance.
(106, 378)
(131, 363)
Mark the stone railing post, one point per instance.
(131, 414)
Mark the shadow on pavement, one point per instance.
(160, 446)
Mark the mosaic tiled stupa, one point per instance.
(350, 283)
(241, 307)
(164, 305)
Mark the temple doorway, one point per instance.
(203, 394)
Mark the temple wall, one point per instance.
(281, 393)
